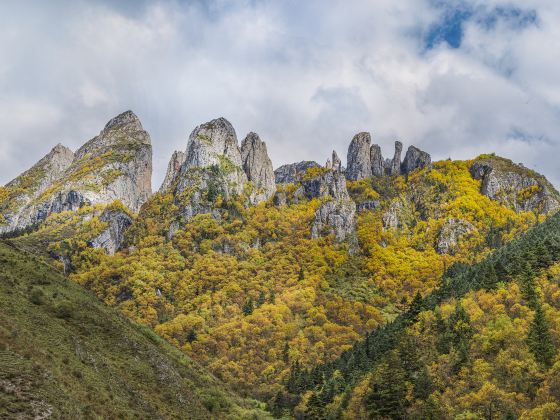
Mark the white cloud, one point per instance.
(305, 75)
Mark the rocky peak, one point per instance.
(395, 168)
(213, 169)
(336, 163)
(173, 168)
(376, 158)
(415, 159)
(127, 120)
(114, 165)
(292, 172)
(211, 143)
(358, 159)
(121, 133)
(258, 167)
(515, 186)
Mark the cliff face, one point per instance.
(292, 172)
(173, 168)
(115, 165)
(258, 168)
(358, 159)
(336, 215)
(515, 186)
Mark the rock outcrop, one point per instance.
(336, 215)
(212, 170)
(450, 235)
(292, 172)
(376, 158)
(391, 218)
(395, 168)
(115, 165)
(358, 160)
(336, 163)
(415, 159)
(258, 168)
(173, 168)
(515, 186)
(112, 237)
(213, 143)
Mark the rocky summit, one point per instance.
(258, 168)
(115, 165)
(365, 160)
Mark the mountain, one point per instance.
(63, 354)
(269, 278)
(115, 165)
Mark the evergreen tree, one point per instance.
(387, 392)
(249, 307)
(539, 338)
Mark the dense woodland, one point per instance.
(384, 326)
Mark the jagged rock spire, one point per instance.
(114, 165)
(173, 168)
(415, 159)
(376, 159)
(396, 162)
(258, 167)
(336, 164)
(358, 159)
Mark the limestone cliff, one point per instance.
(292, 172)
(173, 168)
(115, 165)
(358, 160)
(258, 168)
(515, 186)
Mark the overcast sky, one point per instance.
(455, 78)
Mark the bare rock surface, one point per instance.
(450, 234)
(115, 165)
(336, 215)
(358, 160)
(415, 159)
(515, 186)
(173, 168)
(213, 170)
(292, 172)
(112, 237)
(258, 168)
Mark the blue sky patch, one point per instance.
(454, 15)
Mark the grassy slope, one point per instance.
(69, 355)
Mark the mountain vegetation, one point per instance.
(63, 354)
(386, 289)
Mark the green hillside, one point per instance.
(482, 345)
(64, 354)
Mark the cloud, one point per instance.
(455, 78)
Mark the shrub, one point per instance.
(64, 309)
(37, 296)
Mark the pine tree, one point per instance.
(539, 338)
(249, 307)
(386, 396)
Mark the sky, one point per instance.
(455, 78)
